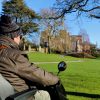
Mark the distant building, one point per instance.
(86, 47)
(76, 43)
(64, 42)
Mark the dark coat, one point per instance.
(16, 68)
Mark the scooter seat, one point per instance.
(5, 88)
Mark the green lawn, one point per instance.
(81, 77)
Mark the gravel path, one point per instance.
(56, 62)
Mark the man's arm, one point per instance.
(33, 73)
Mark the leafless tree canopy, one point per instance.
(52, 25)
(89, 7)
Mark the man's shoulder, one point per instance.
(16, 53)
(9, 52)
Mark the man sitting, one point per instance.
(15, 67)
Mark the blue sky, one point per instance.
(92, 27)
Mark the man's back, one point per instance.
(9, 63)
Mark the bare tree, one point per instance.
(50, 25)
(89, 7)
(85, 36)
(85, 41)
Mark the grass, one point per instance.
(81, 77)
(41, 57)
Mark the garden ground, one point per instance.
(81, 79)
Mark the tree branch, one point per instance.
(94, 16)
(88, 10)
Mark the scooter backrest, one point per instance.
(5, 88)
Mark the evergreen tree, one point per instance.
(24, 16)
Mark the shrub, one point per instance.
(81, 55)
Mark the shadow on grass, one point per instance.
(83, 94)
